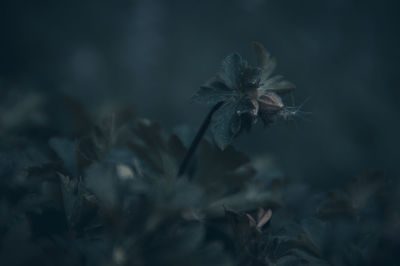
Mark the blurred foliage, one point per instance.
(112, 197)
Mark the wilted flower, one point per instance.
(247, 93)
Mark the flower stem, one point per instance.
(200, 133)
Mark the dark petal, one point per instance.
(260, 213)
(261, 54)
(273, 80)
(264, 60)
(277, 84)
(233, 67)
(264, 219)
(270, 103)
(252, 222)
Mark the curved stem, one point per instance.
(193, 146)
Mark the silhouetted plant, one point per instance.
(241, 94)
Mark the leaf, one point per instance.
(213, 93)
(243, 226)
(236, 124)
(232, 68)
(337, 204)
(100, 179)
(66, 150)
(365, 187)
(44, 173)
(316, 230)
(299, 257)
(350, 201)
(227, 121)
(217, 168)
(152, 145)
(97, 146)
(299, 242)
(221, 125)
(250, 197)
(79, 205)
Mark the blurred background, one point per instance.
(57, 57)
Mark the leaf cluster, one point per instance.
(248, 93)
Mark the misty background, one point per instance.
(153, 55)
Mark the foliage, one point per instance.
(113, 196)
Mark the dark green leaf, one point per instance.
(213, 93)
(233, 67)
(152, 145)
(216, 168)
(221, 124)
